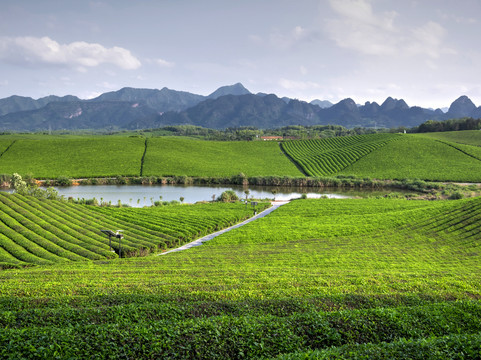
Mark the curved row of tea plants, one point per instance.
(419, 157)
(329, 156)
(36, 231)
(370, 275)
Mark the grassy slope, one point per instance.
(468, 137)
(313, 274)
(74, 157)
(178, 156)
(43, 232)
(418, 157)
(329, 156)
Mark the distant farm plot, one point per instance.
(178, 156)
(98, 156)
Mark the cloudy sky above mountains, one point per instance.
(426, 51)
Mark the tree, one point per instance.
(228, 195)
(182, 199)
(247, 192)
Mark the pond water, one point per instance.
(145, 195)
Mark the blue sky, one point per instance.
(426, 52)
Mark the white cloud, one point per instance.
(358, 27)
(164, 63)
(295, 36)
(298, 85)
(79, 54)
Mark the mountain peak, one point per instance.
(390, 104)
(461, 107)
(236, 89)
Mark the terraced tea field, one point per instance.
(40, 232)
(177, 156)
(329, 156)
(415, 157)
(388, 156)
(74, 157)
(355, 278)
(109, 156)
(468, 137)
(438, 157)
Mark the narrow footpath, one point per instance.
(275, 205)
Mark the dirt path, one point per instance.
(275, 205)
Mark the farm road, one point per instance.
(275, 205)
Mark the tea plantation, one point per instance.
(327, 279)
(437, 157)
(40, 232)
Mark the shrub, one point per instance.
(227, 196)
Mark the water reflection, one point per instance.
(146, 195)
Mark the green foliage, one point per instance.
(417, 157)
(469, 137)
(37, 231)
(371, 278)
(100, 156)
(330, 156)
(449, 125)
(177, 156)
(228, 196)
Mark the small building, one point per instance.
(268, 138)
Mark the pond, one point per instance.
(146, 195)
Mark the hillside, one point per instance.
(388, 156)
(437, 156)
(177, 157)
(371, 278)
(109, 156)
(39, 232)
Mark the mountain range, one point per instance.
(228, 106)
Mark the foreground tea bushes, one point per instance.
(38, 231)
(315, 278)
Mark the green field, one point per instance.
(417, 157)
(40, 232)
(178, 156)
(332, 155)
(109, 156)
(468, 137)
(349, 278)
(450, 156)
(389, 156)
(74, 157)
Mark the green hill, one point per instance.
(108, 156)
(468, 137)
(437, 156)
(374, 278)
(75, 157)
(389, 156)
(416, 157)
(178, 156)
(39, 232)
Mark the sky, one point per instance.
(426, 52)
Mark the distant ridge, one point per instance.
(228, 106)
